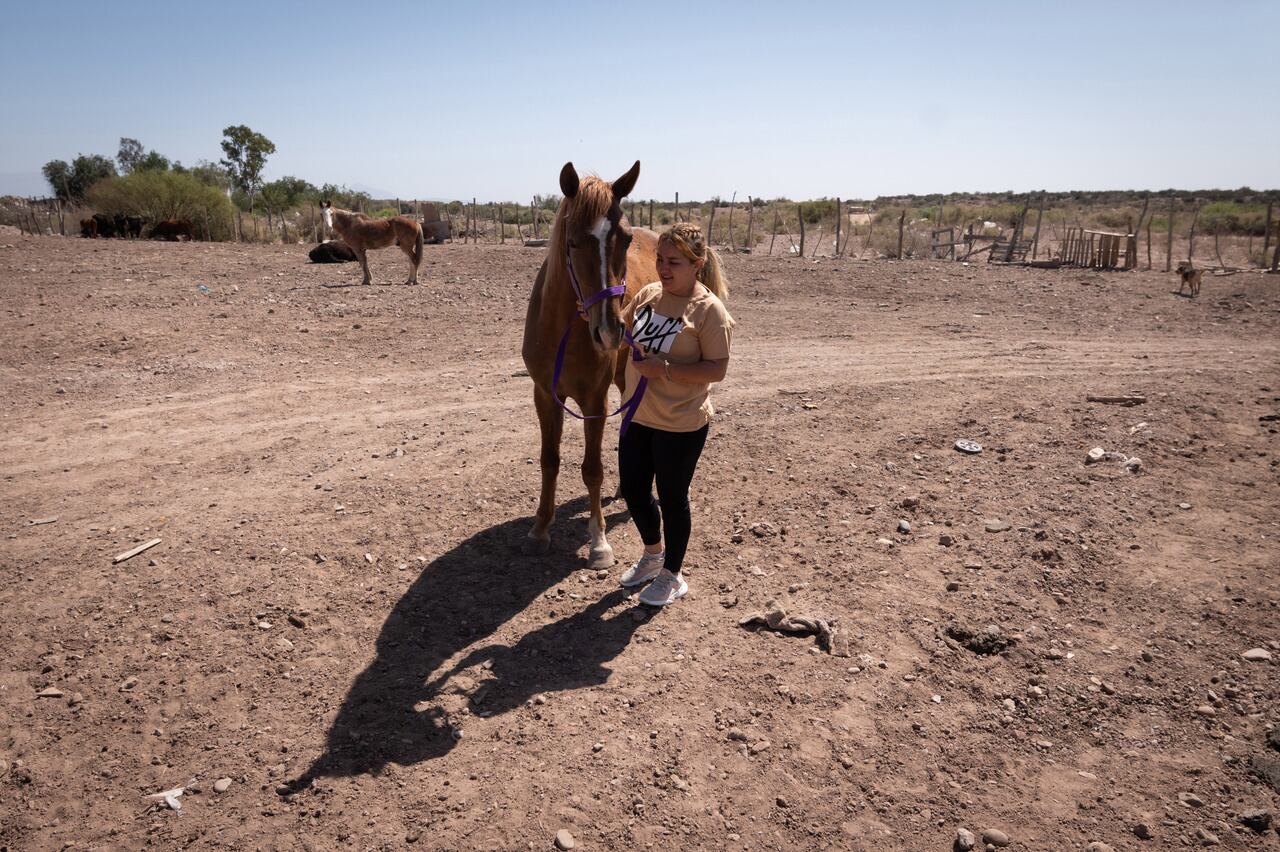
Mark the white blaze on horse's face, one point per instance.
(604, 330)
(328, 217)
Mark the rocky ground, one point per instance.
(337, 642)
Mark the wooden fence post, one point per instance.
(1191, 238)
(502, 226)
(1168, 254)
(676, 215)
(839, 216)
(711, 224)
(650, 214)
(774, 235)
(1035, 245)
(800, 216)
(1266, 234)
(902, 221)
(751, 220)
(732, 201)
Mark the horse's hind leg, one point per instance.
(413, 266)
(551, 424)
(600, 554)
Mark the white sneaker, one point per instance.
(664, 589)
(643, 571)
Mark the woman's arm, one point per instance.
(698, 373)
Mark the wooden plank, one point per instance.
(129, 554)
(1129, 399)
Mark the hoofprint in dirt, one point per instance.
(341, 478)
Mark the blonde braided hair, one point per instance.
(688, 238)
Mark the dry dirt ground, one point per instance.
(342, 476)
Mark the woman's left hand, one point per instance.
(651, 367)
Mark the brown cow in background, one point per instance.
(173, 230)
(89, 228)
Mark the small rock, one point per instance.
(1184, 506)
(129, 684)
(75, 700)
(222, 785)
(1133, 465)
(1257, 655)
(946, 540)
(759, 746)
(904, 526)
(297, 621)
(998, 526)
(1142, 831)
(953, 586)
(370, 558)
(1259, 820)
(50, 692)
(782, 802)
(1206, 710)
(1191, 800)
(1206, 837)
(737, 735)
(265, 625)
(910, 502)
(965, 840)
(1095, 455)
(995, 837)
(564, 840)
(1097, 846)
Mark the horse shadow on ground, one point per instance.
(393, 712)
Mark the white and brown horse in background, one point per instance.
(362, 233)
(605, 251)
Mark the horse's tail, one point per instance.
(417, 247)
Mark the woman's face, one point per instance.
(677, 273)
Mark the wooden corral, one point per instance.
(1099, 249)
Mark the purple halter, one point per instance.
(630, 405)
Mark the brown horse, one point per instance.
(362, 233)
(591, 233)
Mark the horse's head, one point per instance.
(326, 210)
(596, 241)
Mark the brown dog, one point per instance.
(1190, 278)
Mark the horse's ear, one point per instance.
(622, 186)
(569, 180)
(324, 204)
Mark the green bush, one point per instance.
(165, 195)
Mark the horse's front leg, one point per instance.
(600, 554)
(363, 256)
(551, 424)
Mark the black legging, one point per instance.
(645, 455)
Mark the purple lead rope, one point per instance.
(630, 405)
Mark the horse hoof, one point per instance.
(602, 558)
(536, 546)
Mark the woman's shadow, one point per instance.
(393, 712)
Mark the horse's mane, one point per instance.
(593, 200)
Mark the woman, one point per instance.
(683, 329)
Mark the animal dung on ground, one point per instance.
(776, 618)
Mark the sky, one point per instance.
(799, 99)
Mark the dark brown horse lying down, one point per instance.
(362, 233)
(333, 251)
(173, 230)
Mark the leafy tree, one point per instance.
(130, 154)
(58, 174)
(160, 195)
(247, 153)
(152, 161)
(71, 183)
(212, 174)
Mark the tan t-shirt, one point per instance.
(682, 330)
